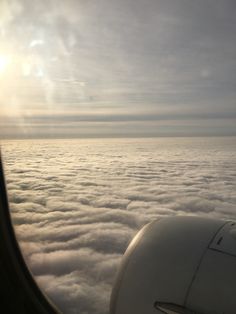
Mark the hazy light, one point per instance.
(4, 62)
(36, 42)
(40, 72)
(26, 69)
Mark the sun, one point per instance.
(4, 62)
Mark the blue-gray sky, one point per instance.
(117, 68)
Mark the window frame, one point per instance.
(19, 291)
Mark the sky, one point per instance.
(108, 68)
(76, 204)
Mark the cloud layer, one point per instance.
(76, 204)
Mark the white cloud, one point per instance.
(77, 204)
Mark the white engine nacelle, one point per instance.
(178, 265)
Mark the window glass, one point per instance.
(112, 114)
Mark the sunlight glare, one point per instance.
(4, 62)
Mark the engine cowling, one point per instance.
(178, 265)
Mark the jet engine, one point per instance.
(178, 265)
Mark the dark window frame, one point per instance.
(18, 289)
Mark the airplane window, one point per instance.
(112, 114)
